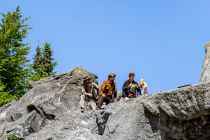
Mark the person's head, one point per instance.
(142, 82)
(131, 76)
(87, 80)
(111, 77)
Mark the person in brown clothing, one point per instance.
(89, 95)
(108, 91)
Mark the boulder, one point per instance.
(181, 114)
(47, 109)
(205, 75)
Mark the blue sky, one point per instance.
(161, 41)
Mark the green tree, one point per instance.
(5, 97)
(37, 71)
(43, 62)
(13, 52)
(37, 60)
(48, 60)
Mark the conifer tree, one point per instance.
(48, 60)
(43, 64)
(13, 52)
(37, 60)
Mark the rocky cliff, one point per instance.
(50, 111)
(205, 76)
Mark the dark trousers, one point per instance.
(106, 99)
(126, 92)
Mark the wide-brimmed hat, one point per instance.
(86, 78)
(112, 75)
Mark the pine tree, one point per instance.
(13, 52)
(37, 71)
(37, 60)
(43, 64)
(48, 60)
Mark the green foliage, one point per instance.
(13, 52)
(48, 59)
(14, 70)
(37, 76)
(43, 64)
(37, 59)
(6, 97)
(37, 71)
(14, 137)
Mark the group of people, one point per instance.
(94, 97)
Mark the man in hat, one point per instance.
(90, 92)
(130, 87)
(108, 91)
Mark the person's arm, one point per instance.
(85, 93)
(95, 91)
(126, 86)
(102, 89)
(137, 87)
(83, 90)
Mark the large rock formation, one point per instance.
(182, 114)
(205, 76)
(50, 111)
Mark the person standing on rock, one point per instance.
(90, 92)
(108, 91)
(130, 87)
(143, 87)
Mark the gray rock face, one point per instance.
(182, 114)
(205, 76)
(50, 111)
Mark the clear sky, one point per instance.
(161, 41)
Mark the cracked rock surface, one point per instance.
(50, 111)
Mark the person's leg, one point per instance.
(106, 100)
(125, 93)
(115, 94)
(145, 91)
(132, 93)
(110, 100)
(101, 101)
(93, 104)
(82, 103)
(139, 93)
